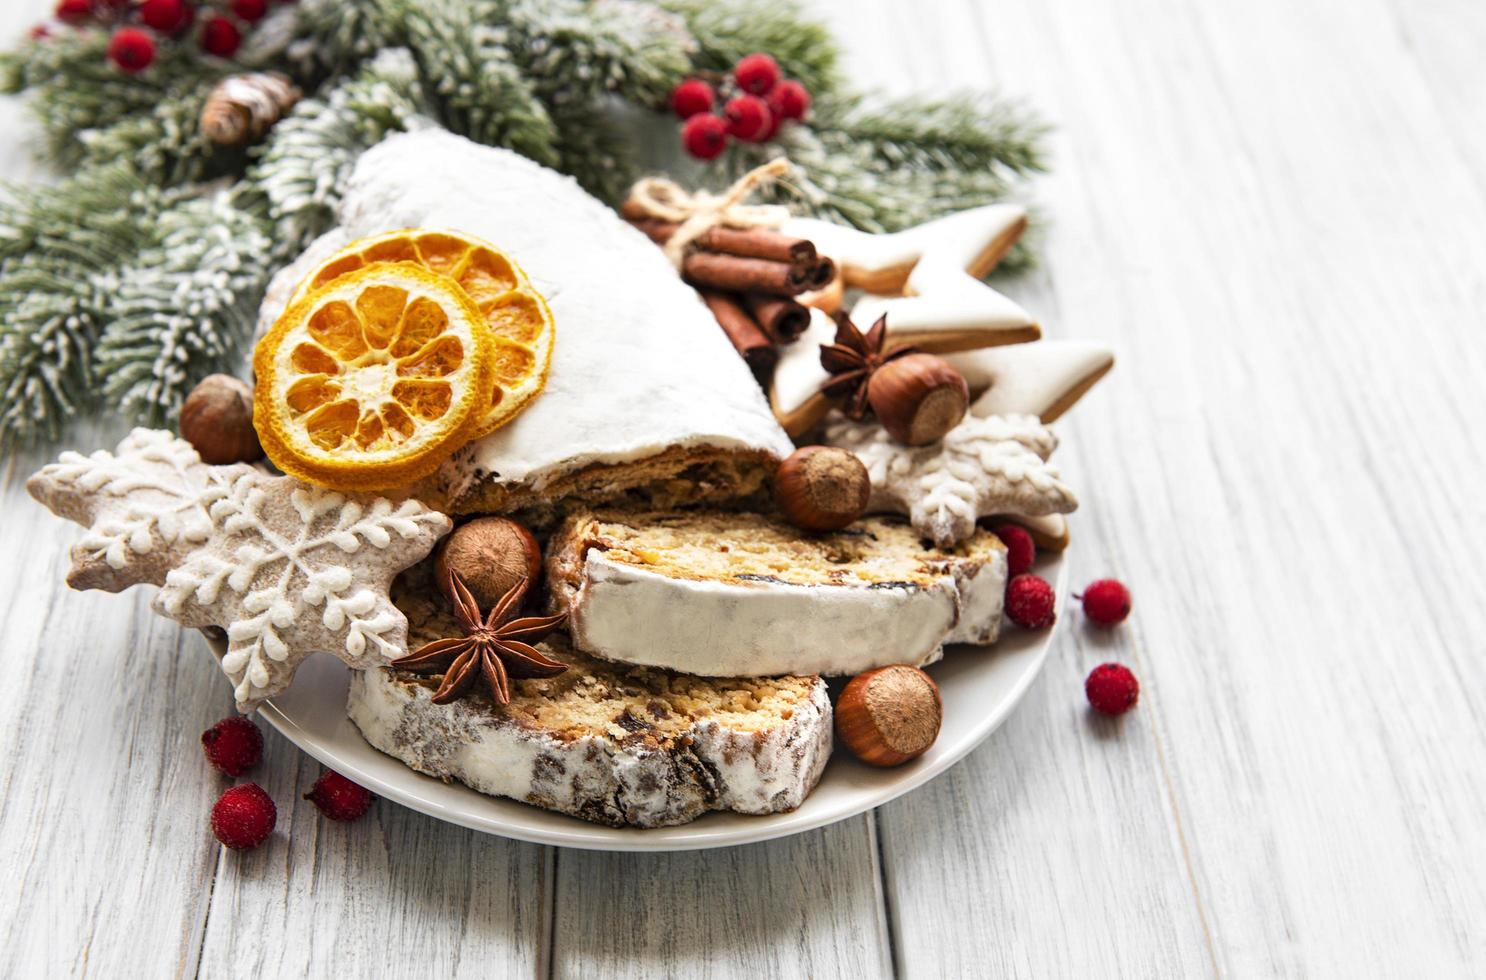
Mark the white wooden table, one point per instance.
(1276, 211)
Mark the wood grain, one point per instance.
(98, 716)
(1276, 213)
(803, 906)
(393, 893)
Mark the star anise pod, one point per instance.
(497, 646)
(852, 360)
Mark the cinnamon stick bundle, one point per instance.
(782, 319)
(753, 243)
(822, 273)
(748, 339)
(737, 274)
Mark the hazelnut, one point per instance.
(889, 715)
(918, 398)
(490, 555)
(821, 488)
(217, 420)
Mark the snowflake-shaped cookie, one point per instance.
(145, 506)
(984, 466)
(285, 569)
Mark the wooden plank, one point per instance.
(395, 893)
(1283, 247)
(1054, 850)
(105, 794)
(805, 906)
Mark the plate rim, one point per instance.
(596, 837)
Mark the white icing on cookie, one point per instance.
(145, 505)
(285, 569)
(984, 466)
(639, 363)
(1043, 379)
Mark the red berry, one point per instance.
(1112, 689)
(220, 36)
(250, 10)
(74, 11)
(339, 798)
(691, 97)
(1021, 551)
(748, 117)
(243, 817)
(233, 745)
(165, 15)
(789, 100)
(132, 49)
(705, 136)
(40, 32)
(1106, 602)
(1029, 602)
(756, 73)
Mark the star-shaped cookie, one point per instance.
(285, 569)
(983, 467)
(926, 279)
(1044, 379)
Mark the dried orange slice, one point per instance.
(517, 316)
(373, 379)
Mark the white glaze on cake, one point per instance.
(623, 778)
(639, 366)
(749, 625)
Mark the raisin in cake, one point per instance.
(718, 594)
(623, 746)
(646, 401)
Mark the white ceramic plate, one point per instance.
(980, 689)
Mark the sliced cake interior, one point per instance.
(723, 593)
(676, 477)
(612, 744)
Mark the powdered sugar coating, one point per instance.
(618, 781)
(639, 363)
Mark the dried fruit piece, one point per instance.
(371, 380)
(513, 312)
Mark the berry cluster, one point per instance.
(1111, 689)
(138, 25)
(244, 816)
(759, 102)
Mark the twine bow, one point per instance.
(666, 200)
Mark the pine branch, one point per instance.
(74, 88)
(165, 144)
(477, 89)
(901, 163)
(333, 37)
(966, 131)
(61, 249)
(726, 31)
(303, 168)
(596, 148)
(575, 52)
(184, 308)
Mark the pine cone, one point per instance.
(242, 107)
